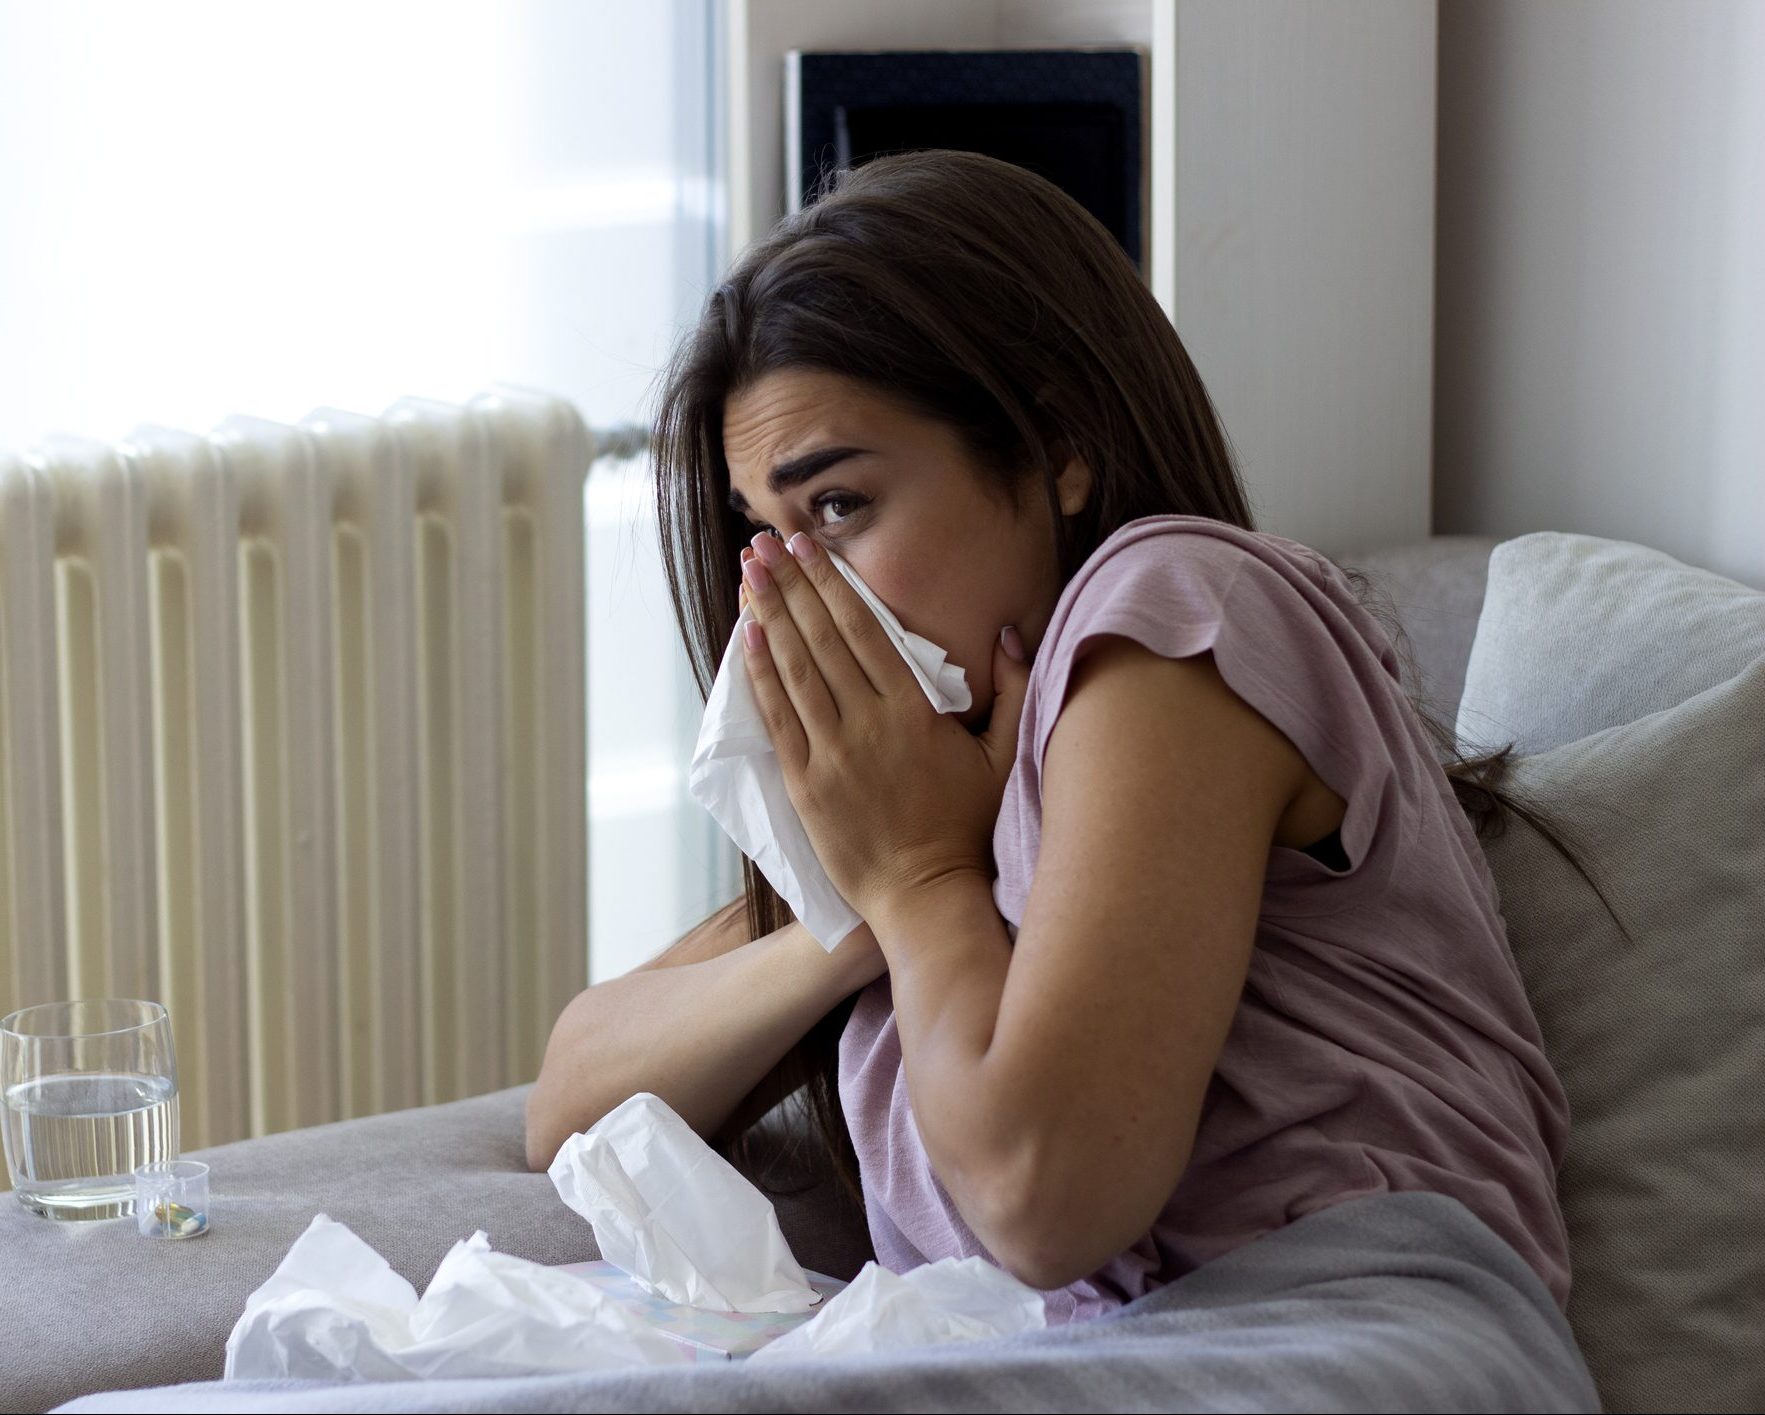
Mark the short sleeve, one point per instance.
(1290, 639)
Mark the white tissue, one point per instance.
(676, 1215)
(334, 1310)
(953, 1299)
(736, 776)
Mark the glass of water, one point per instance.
(91, 1091)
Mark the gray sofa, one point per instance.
(94, 1307)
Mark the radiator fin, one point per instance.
(292, 738)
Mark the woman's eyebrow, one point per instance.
(798, 470)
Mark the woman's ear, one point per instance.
(1073, 485)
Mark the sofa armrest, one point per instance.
(94, 1306)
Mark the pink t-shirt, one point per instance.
(1383, 1040)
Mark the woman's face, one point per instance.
(896, 495)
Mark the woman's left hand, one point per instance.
(893, 794)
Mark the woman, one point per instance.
(1180, 932)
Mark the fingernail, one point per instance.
(752, 633)
(801, 546)
(768, 549)
(1009, 637)
(755, 574)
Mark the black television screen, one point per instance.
(1072, 116)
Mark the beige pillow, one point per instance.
(1659, 1040)
(1578, 634)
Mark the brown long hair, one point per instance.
(976, 293)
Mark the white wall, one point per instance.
(1600, 316)
(1291, 145)
(1305, 254)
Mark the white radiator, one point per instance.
(292, 738)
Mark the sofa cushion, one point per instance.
(1657, 1037)
(1579, 634)
(1433, 590)
(93, 1306)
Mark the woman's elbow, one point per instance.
(1051, 1235)
(1033, 1235)
(542, 1141)
(548, 1123)
(1038, 1262)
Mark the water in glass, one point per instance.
(91, 1091)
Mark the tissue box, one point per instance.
(711, 1336)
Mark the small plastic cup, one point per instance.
(171, 1199)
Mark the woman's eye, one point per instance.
(835, 498)
(853, 504)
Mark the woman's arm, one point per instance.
(1057, 1083)
(703, 1026)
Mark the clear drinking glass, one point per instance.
(91, 1092)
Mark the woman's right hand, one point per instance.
(859, 947)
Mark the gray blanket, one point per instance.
(1391, 1302)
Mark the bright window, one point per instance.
(216, 208)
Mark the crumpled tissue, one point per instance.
(736, 776)
(335, 1310)
(951, 1300)
(676, 1215)
(670, 1212)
